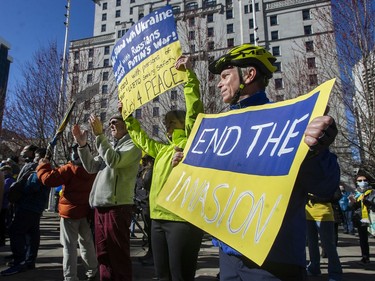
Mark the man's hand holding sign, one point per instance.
(245, 176)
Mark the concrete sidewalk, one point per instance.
(49, 262)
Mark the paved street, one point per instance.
(49, 268)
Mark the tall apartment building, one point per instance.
(5, 61)
(363, 74)
(206, 28)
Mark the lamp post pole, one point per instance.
(61, 101)
(255, 24)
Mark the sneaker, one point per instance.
(13, 270)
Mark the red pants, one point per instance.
(112, 240)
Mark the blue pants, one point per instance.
(325, 230)
(24, 233)
(239, 268)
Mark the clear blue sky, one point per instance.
(28, 25)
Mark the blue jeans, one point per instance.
(24, 234)
(324, 230)
(348, 222)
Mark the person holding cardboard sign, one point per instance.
(175, 242)
(244, 75)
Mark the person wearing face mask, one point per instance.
(74, 210)
(361, 219)
(24, 230)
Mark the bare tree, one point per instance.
(31, 111)
(343, 42)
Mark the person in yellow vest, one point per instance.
(321, 224)
(361, 219)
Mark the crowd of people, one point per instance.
(101, 186)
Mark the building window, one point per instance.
(91, 52)
(209, 3)
(210, 31)
(155, 130)
(138, 113)
(141, 15)
(230, 42)
(191, 22)
(106, 50)
(118, 13)
(307, 29)
(278, 83)
(230, 28)
(251, 23)
(132, 1)
(86, 117)
(192, 48)
(90, 65)
(104, 28)
(246, 9)
(273, 20)
(87, 104)
(75, 67)
(176, 9)
(309, 46)
(191, 35)
(105, 62)
(89, 78)
(311, 63)
(274, 35)
(191, 6)
(156, 99)
(229, 14)
(252, 40)
(228, 2)
(131, 11)
(105, 76)
(251, 8)
(104, 89)
(76, 55)
(104, 17)
(306, 14)
(103, 103)
(103, 116)
(118, 3)
(211, 45)
(105, 5)
(276, 51)
(313, 80)
(155, 111)
(278, 66)
(173, 95)
(210, 17)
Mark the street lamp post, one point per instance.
(61, 101)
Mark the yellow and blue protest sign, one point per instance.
(143, 60)
(239, 169)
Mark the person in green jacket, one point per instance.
(175, 242)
